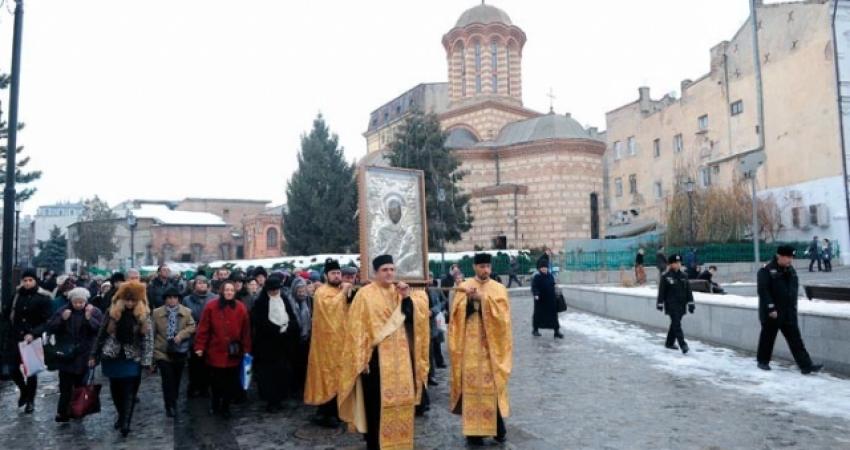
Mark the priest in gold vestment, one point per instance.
(481, 348)
(330, 304)
(384, 364)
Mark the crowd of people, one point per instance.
(328, 340)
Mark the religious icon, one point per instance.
(393, 220)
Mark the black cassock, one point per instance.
(545, 309)
(273, 352)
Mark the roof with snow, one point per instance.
(163, 215)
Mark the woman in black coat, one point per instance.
(75, 327)
(275, 333)
(545, 308)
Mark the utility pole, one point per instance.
(12, 146)
(760, 116)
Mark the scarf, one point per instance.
(304, 317)
(171, 312)
(125, 327)
(277, 313)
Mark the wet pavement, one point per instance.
(578, 393)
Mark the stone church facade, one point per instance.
(535, 179)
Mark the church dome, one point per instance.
(483, 14)
(549, 126)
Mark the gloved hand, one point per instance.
(659, 306)
(691, 308)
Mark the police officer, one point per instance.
(674, 295)
(777, 289)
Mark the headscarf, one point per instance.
(301, 307)
(171, 311)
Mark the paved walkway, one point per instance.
(608, 385)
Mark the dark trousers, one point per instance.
(372, 400)
(224, 383)
(170, 373)
(675, 332)
(198, 376)
(513, 278)
(26, 385)
(791, 331)
(329, 409)
(436, 353)
(67, 382)
(827, 264)
(812, 263)
(124, 391)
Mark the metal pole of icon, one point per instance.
(441, 200)
(748, 166)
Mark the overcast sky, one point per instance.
(169, 99)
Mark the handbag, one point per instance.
(234, 349)
(58, 351)
(560, 301)
(85, 399)
(32, 358)
(246, 370)
(177, 351)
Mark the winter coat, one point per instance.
(157, 288)
(661, 262)
(269, 343)
(545, 308)
(196, 304)
(814, 249)
(437, 304)
(79, 331)
(140, 350)
(185, 330)
(222, 323)
(674, 293)
(30, 312)
(778, 291)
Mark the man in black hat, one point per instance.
(674, 296)
(778, 291)
(160, 284)
(384, 364)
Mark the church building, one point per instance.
(535, 179)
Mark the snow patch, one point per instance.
(821, 394)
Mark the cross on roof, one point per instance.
(552, 98)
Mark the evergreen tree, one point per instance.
(420, 144)
(321, 197)
(21, 177)
(52, 252)
(95, 236)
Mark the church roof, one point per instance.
(549, 126)
(483, 14)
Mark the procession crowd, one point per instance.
(364, 352)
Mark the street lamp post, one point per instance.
(689, 187)
(132, 222)
(17, 232)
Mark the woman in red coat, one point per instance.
(223, 338)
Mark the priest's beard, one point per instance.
(484, 279)
(335, 283)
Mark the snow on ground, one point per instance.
(821, 394)
(822, 307)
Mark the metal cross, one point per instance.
(552, 98)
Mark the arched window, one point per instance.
(494, 58)
(462, 52)
(508, 67)
(477, 67)
(271, 238)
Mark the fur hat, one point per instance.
(380, 261)
(133, 289)
(79, 292)
(482, 258)
(29, 273)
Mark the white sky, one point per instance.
(168, 99)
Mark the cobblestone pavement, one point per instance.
(579, 393)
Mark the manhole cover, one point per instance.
(313, 433)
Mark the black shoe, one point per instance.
(671, 346)
(814, 368)
(441, 366)
(117, 424)
(685, 349)
(536, 333)
(169, 411)
(61, 418)
(764, 366)
(432, 382)
(29, 408)
(21, 400)
(474, 441)
(558, 335)
(501, 439)
(125, 430)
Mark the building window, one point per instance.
(477, 67)
(702, 122)
(737, 107)
(632, 146)
(656, 148)
(462, 71)
(508, 68)
(197, 252)
(678, 144)
(618, 150)
(618, 187)
(271, 238)
(494, 57)
(632, 184)
(813, 215)
(658, 191)
(705, 176)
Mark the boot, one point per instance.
(535, 333)
(812, 369)
(685, 349)
(128, 405)
(671, 346)
(558, 334)
(474, 441)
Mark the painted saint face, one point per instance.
(394, 210)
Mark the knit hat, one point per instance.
(786, 250)
(172, 292)
(381, 260)
(482, 258)
(331, 264)
(117, 277)
(674, 258)
(29, 273)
